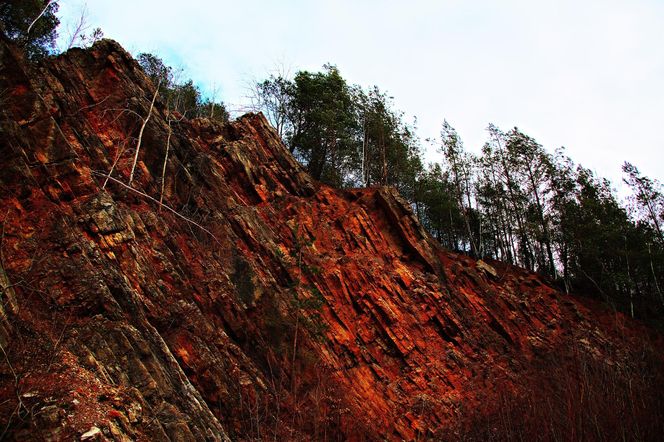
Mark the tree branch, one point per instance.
(140, 134)
(170, 209)
(48, 3)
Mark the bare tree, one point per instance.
(78, 32)
(272, 97)
(213, 99)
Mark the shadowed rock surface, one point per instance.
(259, 304)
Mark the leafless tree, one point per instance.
(271, 97)
(78, 32)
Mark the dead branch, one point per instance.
(2, 239)
(170, 209)
(48, 3)
(163, 169)
(16, 390)
(122, 111)
(115, 162)
(94, 104)
(168, 145)
(140, 133)
(79, 31)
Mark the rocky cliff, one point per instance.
(224, 294)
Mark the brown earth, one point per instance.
(256, 303)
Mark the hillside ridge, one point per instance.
(254, 302)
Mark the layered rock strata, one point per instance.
(224, 294)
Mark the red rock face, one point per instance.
(257, 303)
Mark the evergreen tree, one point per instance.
(184, 98)
(460, 165)
(648, 196)
(31, 24)
(324, 125)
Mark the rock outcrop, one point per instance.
(224, 294)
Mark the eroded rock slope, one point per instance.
(254, 303)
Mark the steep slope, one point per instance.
(256, 303)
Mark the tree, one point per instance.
(491, 196)
(343, 135)
(212, 109)
(31, 24)
(155, 69)
(324, 125)
(274, 97)
(530, 163)
(78, 32)
(184, 98)
(562, 179)
(459, 163)
(439, 208)
(648, 196)
(389, 149)
(516, 197)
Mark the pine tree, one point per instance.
(31, 24)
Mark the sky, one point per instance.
(587, 75)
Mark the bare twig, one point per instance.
(168, 146)
(115, 162)
(122, 111)
(140, 133)
(9, 364)
(79, 31)
(170, 209)
(94, 104)
(57, 343)
(16, 390)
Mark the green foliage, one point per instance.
(279, 254)
(213, 110)
(648, 198)
(344, 136)
(184, 98)
(437, 207)
(389, 148)
(522, 205)
(515, 202)
(155, 69)
(606, 252)
(324, 125)
(16, 17)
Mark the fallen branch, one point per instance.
(94, 104)
(117, 158)
(140, 134)
(170, 209)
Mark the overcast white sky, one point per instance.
(587, 75)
